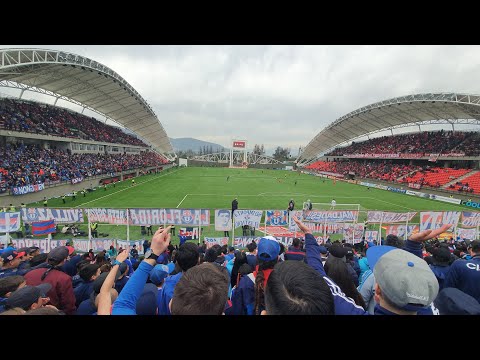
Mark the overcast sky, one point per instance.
(277, 95)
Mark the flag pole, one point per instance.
(200, 231)
(406, 226)
(379, 239)
(89, 230)
(128, 228)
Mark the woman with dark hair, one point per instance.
(248, 298)
(295, 288)
(240, 259)
(337, 270)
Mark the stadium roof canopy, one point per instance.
(84, 82)
(418, 109)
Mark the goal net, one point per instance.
(329, 206)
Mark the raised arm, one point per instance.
(104, 297)
(127, 300)
(312, 249)
(414, 242)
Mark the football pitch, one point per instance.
(215, 188)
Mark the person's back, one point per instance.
(186, 257)
(363, 264)
(244, 302)
(61, 294)
(295, 252)
(465, 274)
(294, 288)
(243, 298)
(343, 304)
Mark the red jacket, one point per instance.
(61, 294)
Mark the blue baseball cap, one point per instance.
(374, 253)
(268, 248)
(159, 273)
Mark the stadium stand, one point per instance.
(435, 177)
(416, 143)
(380, 170)
(30, 164)
(43, 119)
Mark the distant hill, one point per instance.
(184, 144)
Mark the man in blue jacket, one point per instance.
(127, 300)
(295, 251)
(343, 304)
(465, 274)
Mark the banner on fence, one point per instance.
(129, 244)
(431, 220)
(59, 215)
(109, 216)
(21, 190)
(243, 241)
(44, 245)
(371, 236)
(470, 218)
(214, 241)
(188, 217)
(449, 200)
(223, 220)
(276, 217)
(81, 245)
(251, 218)
(399, 230)
(353, 233)
(189, 233)
(77, 180)
(9, 222)
(145, 217)
(101, 244)
(330, 216)
(291, 224)
(389, 217)
(467, 234)
(331, 228)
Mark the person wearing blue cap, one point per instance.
(158, 275)
(248, 299)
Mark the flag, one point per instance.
(9, 222)
(433, 157)
(43, 227)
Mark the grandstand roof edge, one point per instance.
(452, 108)
(81, 80)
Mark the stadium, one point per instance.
(96, 184)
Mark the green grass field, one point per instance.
(255, 189)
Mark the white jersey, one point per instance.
(334, 203)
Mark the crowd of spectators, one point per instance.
(30, 164)
(379, 170)
(434, 142)
(45, 119)
(417, 276)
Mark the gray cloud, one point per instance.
(278, 95)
